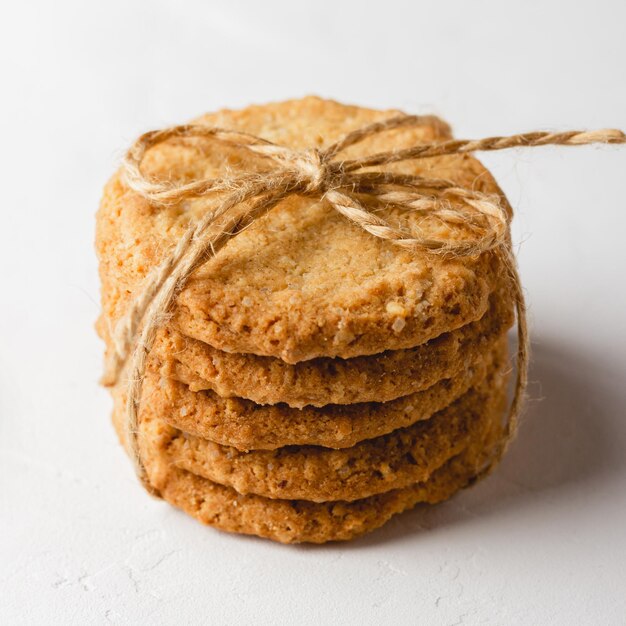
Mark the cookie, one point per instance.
(302, 282)
(297, 521)
(379, 378)
(245, 425)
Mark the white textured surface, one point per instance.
(540, 542)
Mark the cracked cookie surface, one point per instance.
(302, 282)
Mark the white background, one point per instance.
(543, 541)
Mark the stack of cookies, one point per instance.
(312, 380)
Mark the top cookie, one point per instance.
(302, 282)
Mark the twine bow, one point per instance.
(480, 222)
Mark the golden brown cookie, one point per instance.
(296, 521)
(245, 425)
(302, 282)
(377, 378)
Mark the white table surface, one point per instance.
(542, 541)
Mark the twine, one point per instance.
(345, 184)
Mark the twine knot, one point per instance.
(477, 223)
(315, 171)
